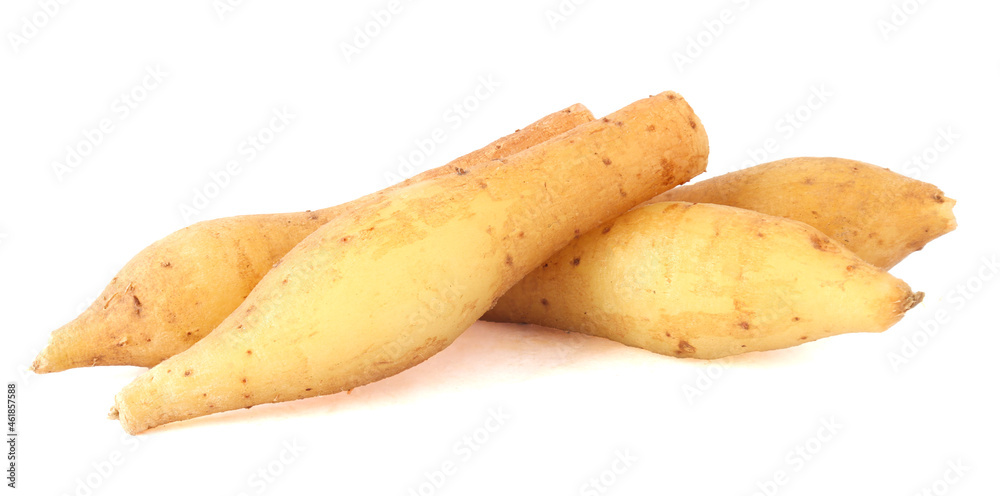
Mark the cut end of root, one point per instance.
(913, 300)
(113, 414)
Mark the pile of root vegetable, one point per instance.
(572, 222)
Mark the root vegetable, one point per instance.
(177, 290)
(706, 281)
(370, 294)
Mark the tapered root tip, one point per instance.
(913, 300)
(40, 365)
(113, 414)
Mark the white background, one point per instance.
(573, 402)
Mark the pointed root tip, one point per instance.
(40, 365)
(113, 414)
(913, 300)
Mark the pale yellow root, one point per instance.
(177, 290)
(706, 281)
(371, 294)
(878, 214)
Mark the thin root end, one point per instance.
(913, 300)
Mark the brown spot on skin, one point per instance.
(745, 325)
(169, 370)
(576, 261)
(938, 198)
(460, 171)
(692, 123)
(187, 372)
(619, 123)
(204, 395)
(166, 264)
(249, 352)
(606, 230)
(520, 235)
(510, 259)
(189, 333)
(607, 161)
(246, 395)
(685, 348)
(803, 338)
(149, 339)
(244, 380)
(137, 304)
(808, 180)
(850, 268)
(606, 119)
(284, 281)
(309, 389)
(667, 333)
(743, 346)
(651, 128)
(760, 234)
(313, 216)
(482, 185)
(545, 302)
(576, 232)
(796, 319)
(671, 96)
(815, 213)
(489, 229)
(823, 244)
